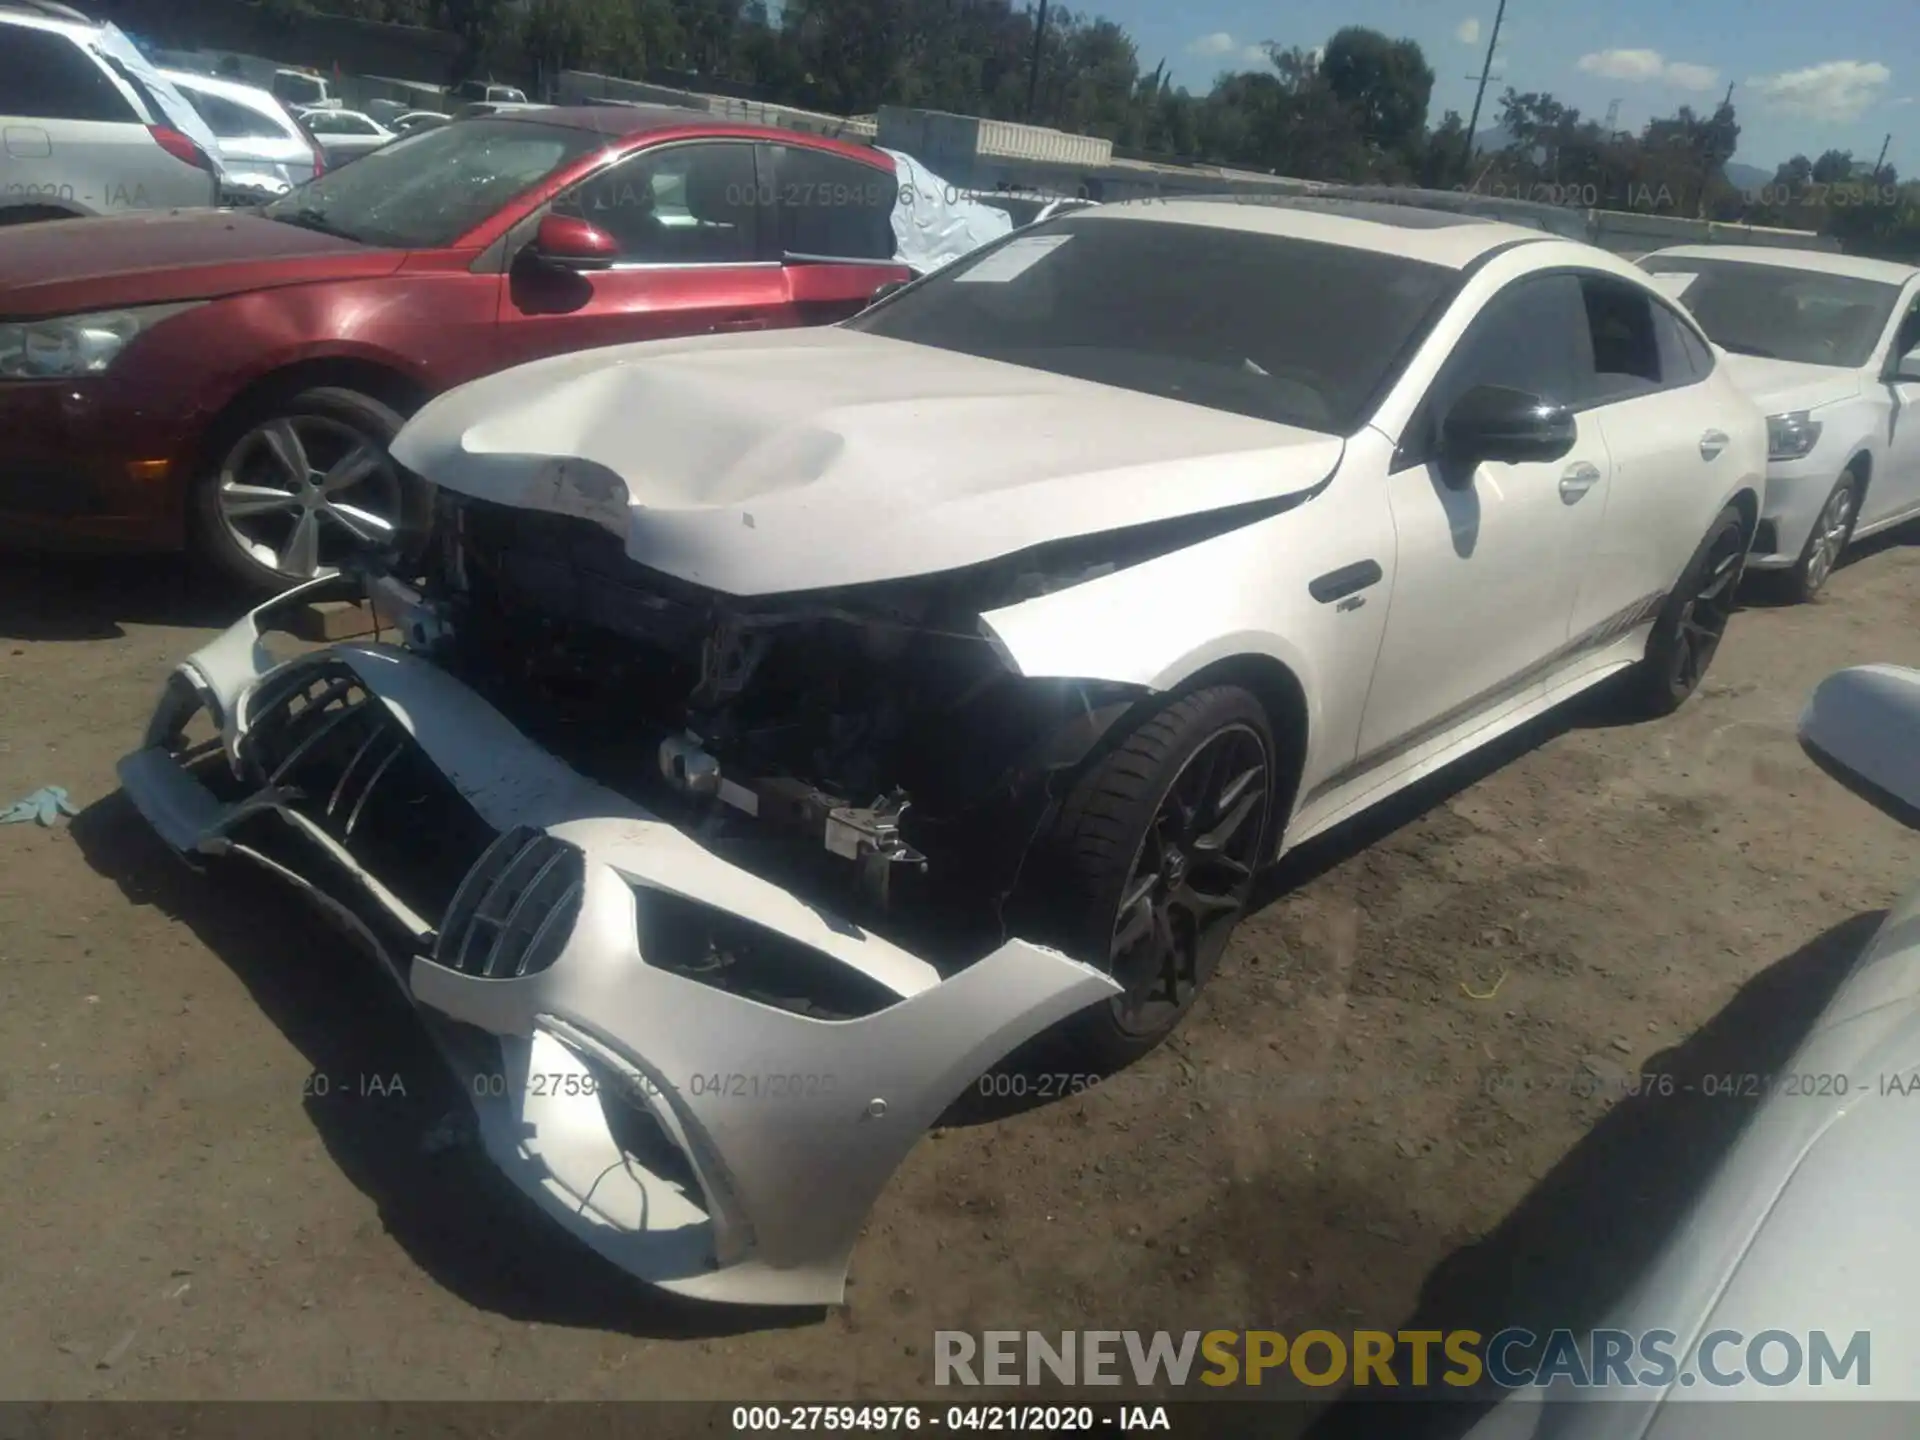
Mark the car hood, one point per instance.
(807, 459)
(159, 256)
(1777, 386)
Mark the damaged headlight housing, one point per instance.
(1791, 436)
(69, 346)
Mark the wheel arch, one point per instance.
(387, 382)
(31, 214)
(1283, 696)
(1747, 501)
(1860, 466)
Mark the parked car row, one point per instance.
(229, 380)
(91, 127)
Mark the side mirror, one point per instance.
(1862, 726)
(1909, 366)
(885, 290)
(571, 243)
(1493, 422)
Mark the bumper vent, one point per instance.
(513, 913)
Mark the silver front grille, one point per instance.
(319, 726)
(512, 914)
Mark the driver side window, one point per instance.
(1528, 337)
(1907, 339)
(680, 205)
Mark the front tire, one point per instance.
(1688, 630)
(1831, 533)
(1150, 864)
(298, 483)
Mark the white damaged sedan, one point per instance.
(788, 726)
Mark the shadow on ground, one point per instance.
(404, 1144)
(1042, 1062)
(87, 597)
(1568, 1253)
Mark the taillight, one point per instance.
(319, 160)
(181, 148)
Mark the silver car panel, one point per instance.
(773, 1132)
(99, 166)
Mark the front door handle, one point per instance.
(1712, 443)
(743, 322)
(1576, 480)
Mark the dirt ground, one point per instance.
(1399, 1103)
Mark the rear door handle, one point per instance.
(1712, 443)
(1576, 480)
(744, 322)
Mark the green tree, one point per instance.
(1384, 83)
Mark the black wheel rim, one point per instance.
(1703, 619)
(1190, 879)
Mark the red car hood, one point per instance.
(59, 267)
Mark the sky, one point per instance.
(1807, 77)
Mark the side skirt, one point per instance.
(1374, 778)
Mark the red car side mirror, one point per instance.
(569, 241)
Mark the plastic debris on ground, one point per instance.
(43, 806)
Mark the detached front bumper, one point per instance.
(712, 1144)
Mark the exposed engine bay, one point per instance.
(868, 746)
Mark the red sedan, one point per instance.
(228, 381)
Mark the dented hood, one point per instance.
(762, 464)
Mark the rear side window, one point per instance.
(44, 76)
(230, 120)
(1683, 360)
(1697, 349)
(1626, 353)
(832, 208)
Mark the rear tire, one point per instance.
(298, 482)
(1149, 866)
(1688, 630)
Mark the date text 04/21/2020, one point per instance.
(1014, 1419)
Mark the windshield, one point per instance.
(430, 188)
(1280, 329)
(1779, 312)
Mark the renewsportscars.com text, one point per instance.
(1510, 1359)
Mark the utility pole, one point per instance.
(1473, 121)
(1881, 164)
(1033, 67)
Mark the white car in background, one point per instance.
(415, 120)
(1828, 346)
(263, 147)
(871, 698)
(345, 134)
(1808, 1225)
(90, 126)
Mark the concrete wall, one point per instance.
(578, 87)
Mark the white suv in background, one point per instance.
(1829, 347)
(88, 126)
(263, 148)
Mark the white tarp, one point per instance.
(933, 223)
